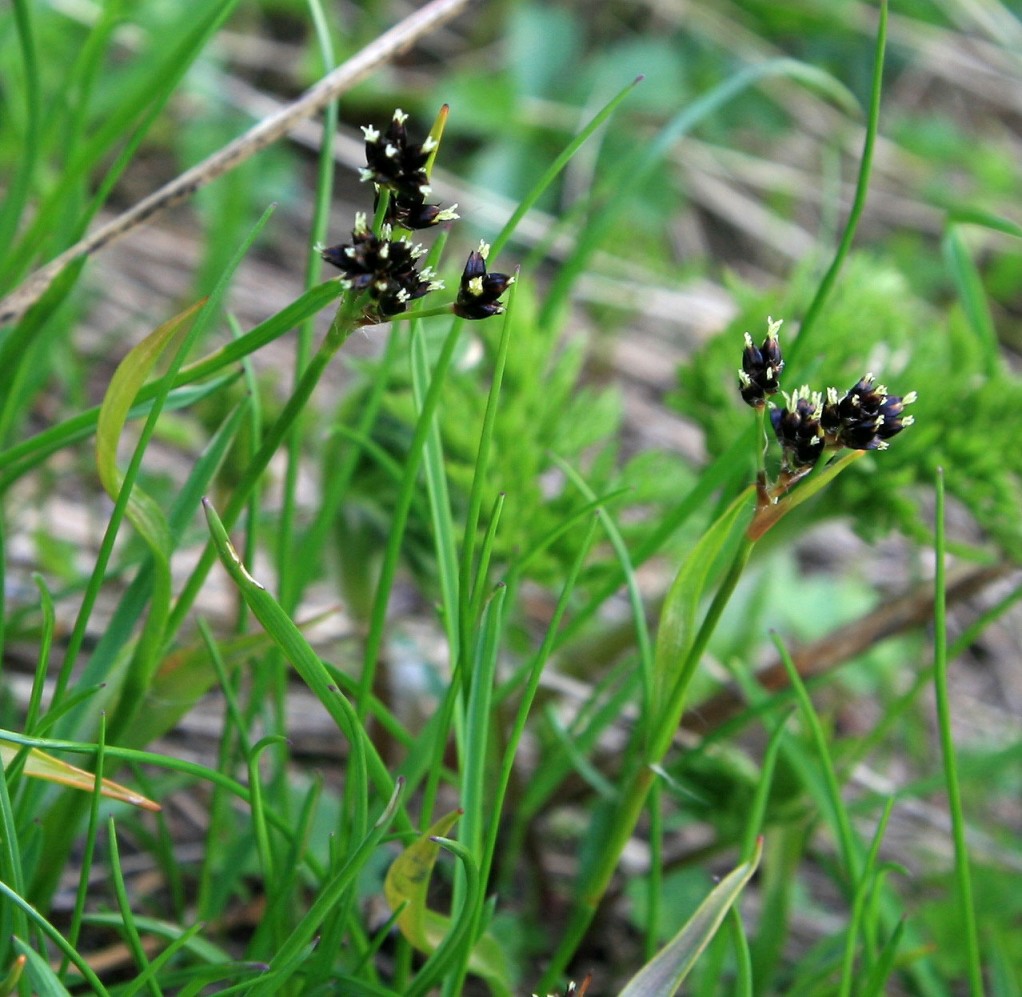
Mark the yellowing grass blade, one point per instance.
(405, 888)
(408, 881)
(40, 765)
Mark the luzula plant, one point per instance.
(810, 424)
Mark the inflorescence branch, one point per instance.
(382, 266)
(810, 423)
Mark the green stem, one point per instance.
(947, 747)
(826, 285)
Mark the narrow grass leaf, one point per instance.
(45, 643)
(470, 585)
(183, 677)
(664, 974)
(612, 197)
(44, 981)
(58, 939)
(439, 498)
(406, 887)
(478, 722)
(306, 662)
(828, 792)
(128, 928)
(485, 959)
(973, 297)
(156, 967)
(876, 982)
(856, 921)
(11, 871)
(294, 951)
(963, 875)
(20, 458)
(617, 541)
(814, 310)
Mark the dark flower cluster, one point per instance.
(761, 367)
(386, 267)
(479, 290)
(865, 417)
(398, 165)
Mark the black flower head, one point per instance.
(866, 417)
(412, 212)
(383, 267)
(798, 430)
(761, 367)
(399, 166)
(393, 162)
(479, 290)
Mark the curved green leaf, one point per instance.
(665, 972)
(678, 617)
(128, 379)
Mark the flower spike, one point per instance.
(479, 291)
(383, 267)
(761, 367)
(866, 417)
(798, 430)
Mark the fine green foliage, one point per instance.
(478, 636)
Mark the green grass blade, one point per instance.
(399, 520)
(963, 879)
(10, 857)
(22, 457)
(642, 638)
(439, 498)
(128, 928)
(291, 581)
(470, 585)
(133, 116)
(877, 982)
(637, 170)
(328, 897)
(536, 667)
(88, 848)
(19, 184)
(863, 888)
(57, 938)
(662, 976)
(555, 168)
(829, 795)
(308, 665)
(454, 952)
(38, 972)
(45, 643)
(156, 969)
(973, 298)
(479, 718)
(826, 285)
